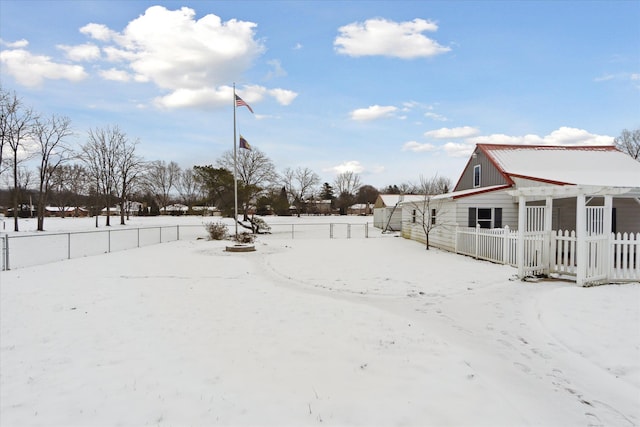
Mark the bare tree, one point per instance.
(629, 142)
(256, 173)
(68, 183)
(347, 185)
(300, 185)
(100, 155)
(17, 126)
(347, 182)
(160, 179)
(50, 135)
(427, 211)
(5, 106)
(129, 167)
(188, 187)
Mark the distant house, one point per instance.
(359, 209)
(319, 207)
(536, 188)
(175, 209)
(131, 209)
(65, 211)
(387, 213)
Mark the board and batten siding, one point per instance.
(489, 174)
(627, 215)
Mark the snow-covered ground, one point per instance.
(310, 331)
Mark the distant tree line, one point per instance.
(39, 167)
(106, 171)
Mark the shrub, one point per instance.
(245, 238)
(216, 230)
(259, 225)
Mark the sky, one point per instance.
(391, 90)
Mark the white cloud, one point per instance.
(604, 78)
(418, 147)
(297, 46)
(277, 70)
(283, 96)
(434, 116)
(349, 166)
(186, 56)
(15, 45)
(457, 149)
(31, 70)
(561, 136)
(82, 52)
(202, 97)
(99, 32)
(387, 38)
(115, 75)
(452, 133)
(573, 136)
(373, 112)
(635, 76)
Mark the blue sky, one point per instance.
(391, 90)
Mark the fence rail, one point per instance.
(614, 257)
(25, 250)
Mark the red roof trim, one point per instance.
(481, 191)
(546, 181)
(486, 147)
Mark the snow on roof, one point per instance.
(391, 200)
(584, 165)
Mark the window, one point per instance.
(485, 217)
(413, 216)
(433, 217)
(476, 176)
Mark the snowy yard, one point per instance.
(311, 331)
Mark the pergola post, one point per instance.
(522, 224)
(546, 244)
(581, 241)
(607, 230)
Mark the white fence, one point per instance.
(613, 258)
(495, 244)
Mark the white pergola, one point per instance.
(580, 193)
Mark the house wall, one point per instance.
(442, 236)
(381, 218)
(494, 199)
(489, 175)
(627, 215)
(452, 213)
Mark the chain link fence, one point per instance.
(25, 250)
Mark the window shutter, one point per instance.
(472, 217)
(497, 218)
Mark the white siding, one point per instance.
(494, 199)
(452, 213)
(442, 236)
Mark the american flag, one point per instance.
(240, 103)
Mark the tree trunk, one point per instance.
(15, 190)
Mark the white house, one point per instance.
(542, 188)
(387, 213)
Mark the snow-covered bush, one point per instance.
(216, 230)
(245, 238)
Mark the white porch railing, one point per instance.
(609, 257)
(491, 244)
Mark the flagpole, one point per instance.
(235, 164)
